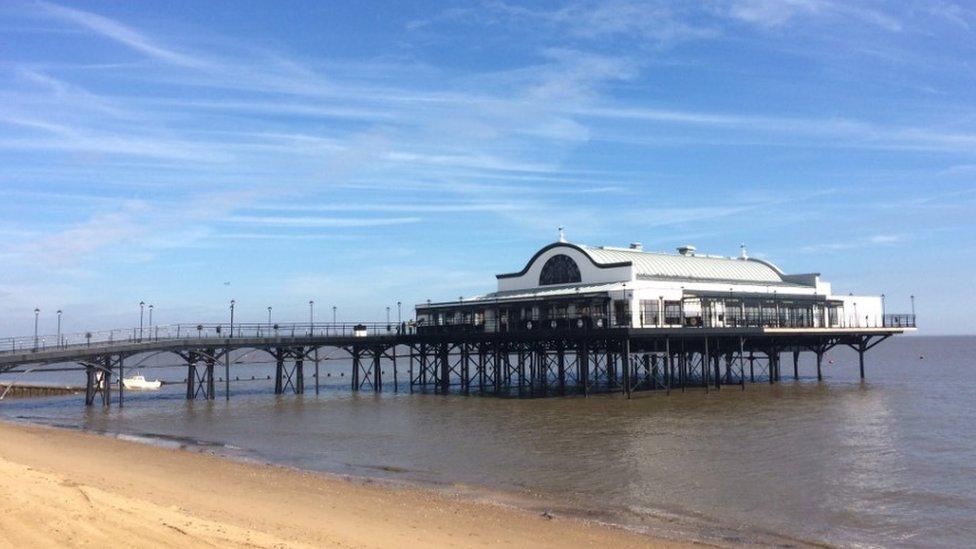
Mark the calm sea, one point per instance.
(889, 462)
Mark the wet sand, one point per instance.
(63, 488)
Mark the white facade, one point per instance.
(630, 287)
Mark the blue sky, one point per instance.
(363, 153)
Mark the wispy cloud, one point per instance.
(871, 241)
(774, 13)
(113, 30)
(336, 222)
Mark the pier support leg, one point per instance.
(300, 373)
(752, 369)
(464, 364)
(796, 365)
(279, 371)
(860, 359)
(227, 373)
(90, 384)
(583, 359)
(316, 359)
(819, 362)
(706, 364)
(356, 357)
(650, 370)
(377, 370)
(742, 365)
(393, 356)
(210, 361)
(668, 365)
(716, 358)
(625, 365)
(445, 378)
(107, 382)
(501, 369)
(191, 375)
(121, 377)
(561, 369)
(410, 368)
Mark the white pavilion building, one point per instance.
(570, 286)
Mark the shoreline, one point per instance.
(63, 487)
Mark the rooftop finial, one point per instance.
(562, 237)
(742, 251)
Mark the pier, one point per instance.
(542, 362)
(576, 320)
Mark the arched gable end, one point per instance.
(568, 246)
(559, 269)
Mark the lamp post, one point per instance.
(857, 321)
(37, 313)
(150, 318)
(142, 311)
(269, 320)
(882, 309)
(59, 327)
(333, 314)
(311, 317)
(388, 316)
(232, 303)
(913, 304)
(399, 313)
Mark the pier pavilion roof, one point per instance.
(665, 266)
(654, 265)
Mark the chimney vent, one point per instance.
(687, 250)
(637, 246)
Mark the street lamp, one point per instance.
(333, 314)
(59, 327)
(150, 317)
(882, 309)
(311, 317)
(269, 319)
(913, 304)
(37, 312)
(232, 303)
(387, 316)
(399, 313)
(142, 311)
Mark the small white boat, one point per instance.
(139, 382)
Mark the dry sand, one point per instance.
(63, 488)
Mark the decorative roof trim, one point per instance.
(565, 245)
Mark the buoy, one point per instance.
(830, 362)
(920, 357)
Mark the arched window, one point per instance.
(559, 269)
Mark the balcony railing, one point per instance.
(899, 321)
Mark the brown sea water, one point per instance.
(887, 462)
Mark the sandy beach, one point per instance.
(62, 488)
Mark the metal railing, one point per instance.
(567, 322)
(899, 321)
(216, 331)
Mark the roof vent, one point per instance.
(637, 246)
(743, 254)
(687, 250)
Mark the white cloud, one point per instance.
(345, 222)
(118, 32)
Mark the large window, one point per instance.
(559, 269)
(649, 312)
(672, 313)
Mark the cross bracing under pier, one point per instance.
(537, 363)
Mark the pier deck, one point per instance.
(527, 363)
